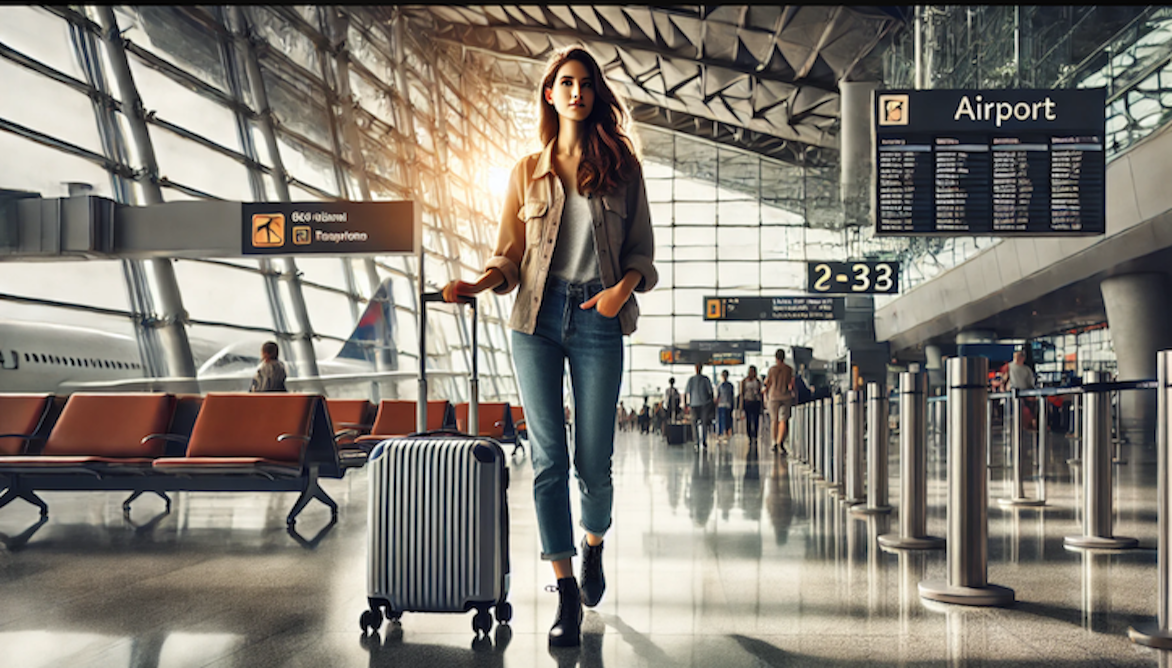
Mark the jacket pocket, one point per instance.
(616, 204)
(535, 209)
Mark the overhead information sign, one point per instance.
(331, 228)
(773, 308)
(731, 346)
(863, 277)
(991, 162)
(707, 358)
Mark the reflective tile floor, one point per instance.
(725, 557)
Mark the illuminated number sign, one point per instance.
(853, 277)
(990, 162)
(774, 308)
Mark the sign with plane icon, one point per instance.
(331, 228)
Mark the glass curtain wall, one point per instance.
(731, 223)
(68, 125)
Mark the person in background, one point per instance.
(698, 395)
(270, 375)
(724, 408)
(645, 417)
(779, 390)
(750, 399)
(1021, 377)
(671, 400)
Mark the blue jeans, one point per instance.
(593, 344)
(723, 420)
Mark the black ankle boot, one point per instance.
(567, 626)
(593, 581)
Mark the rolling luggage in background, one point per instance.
(438, 524)
(676, 433)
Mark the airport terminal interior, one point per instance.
(962, 260)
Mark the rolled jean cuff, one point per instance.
(596, 533)
(560, 555)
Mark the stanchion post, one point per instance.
(1043, 438)
(877, 437)
(1076, 429)
(853, 493)
(1158, 634)
(819, 438)
(968, 493)
(913, 466)
(1098, 508)
(838, 443)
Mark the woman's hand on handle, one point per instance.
(457, 288)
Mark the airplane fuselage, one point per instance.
(37, 357)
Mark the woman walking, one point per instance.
(575, 240)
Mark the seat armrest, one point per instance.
(354, 425)
(32, 437)
(346, 432)
(166, 437)
(286, 437)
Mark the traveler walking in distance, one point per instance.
(779, 390)
(750, 398)
(575, 240)
(699, 396)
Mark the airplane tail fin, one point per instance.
(374, 335)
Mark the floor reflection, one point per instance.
(726, 556)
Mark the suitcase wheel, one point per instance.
(370, 620)
(482, 622)
(504, 612)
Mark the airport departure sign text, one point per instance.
(992, 162)
(331, 228)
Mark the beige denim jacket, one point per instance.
(529, 230)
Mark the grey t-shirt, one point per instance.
(1021, 377)
(699, 390)
(574, 258)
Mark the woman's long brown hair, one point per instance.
(608, 153)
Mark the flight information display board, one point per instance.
(774, 308)
(990, 163)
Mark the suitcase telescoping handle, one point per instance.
(474, 382)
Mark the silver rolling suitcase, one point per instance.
(438, 523)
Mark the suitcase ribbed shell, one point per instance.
(435, 524)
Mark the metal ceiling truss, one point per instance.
(763, 78)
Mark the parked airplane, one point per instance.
(43, 357)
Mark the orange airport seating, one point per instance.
(518, 414)
(396, 417)
(96, 435)
(351, 418)
(260, 442)
(495, 420)
(21, 417)
(158, 443)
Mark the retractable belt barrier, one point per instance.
(913, 466)
(1096, 467)
(877, 436)
(1158, 634)
(853, 445)
(968, 520)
